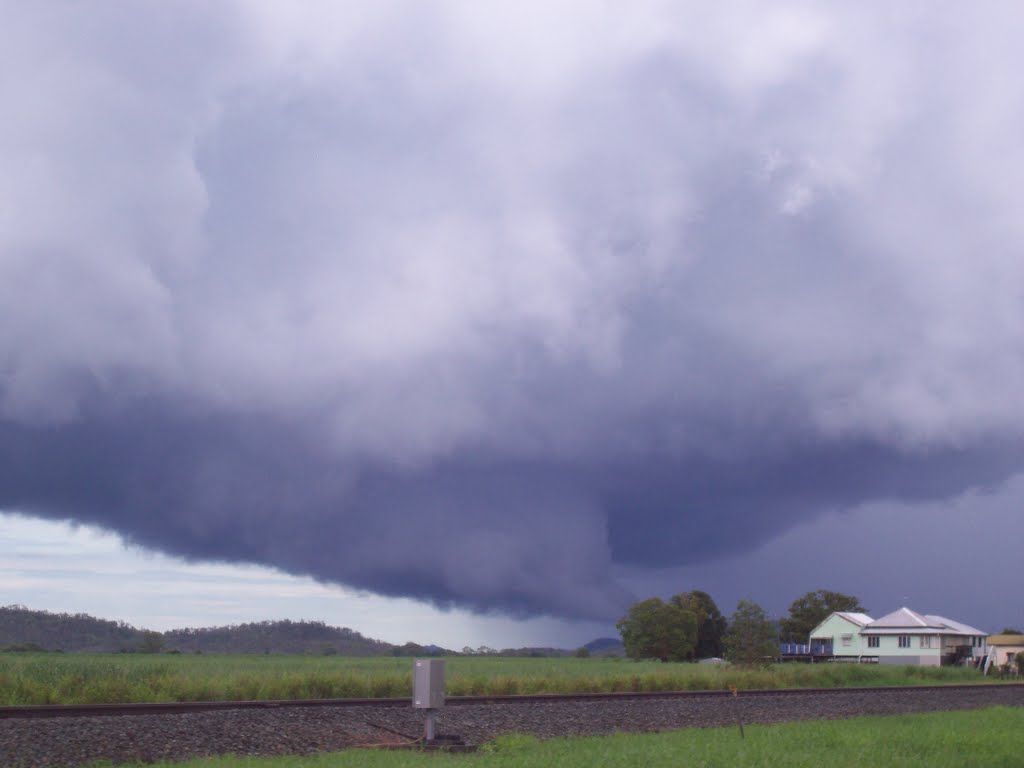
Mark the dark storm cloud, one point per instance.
(476, 306)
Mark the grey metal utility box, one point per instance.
(428, 683)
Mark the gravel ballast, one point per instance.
(69, 742)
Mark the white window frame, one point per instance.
(904, 641)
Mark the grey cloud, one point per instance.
(476, 307)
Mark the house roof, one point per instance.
(1006, 639)
(906, 621)
(860, 620)
(958, 627)
(902, 619)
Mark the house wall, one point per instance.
(835, 627)
(950, 643)
(1001, 652)
(889, 651)
(980, 647)
(912, 660)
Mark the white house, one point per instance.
(908, 637)
(839, 635)
(901, 637)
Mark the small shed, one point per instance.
(1004, 647)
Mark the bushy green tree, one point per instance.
(808, 611)
(656, 629)
(152, 642)
(751, 638)
(711, 624)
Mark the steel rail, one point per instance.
(177, 708)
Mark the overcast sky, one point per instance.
(520, 309)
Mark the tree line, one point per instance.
(690, 626)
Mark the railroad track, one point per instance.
(170, 708)
(73, 736)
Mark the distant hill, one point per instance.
(25, 629)
(21, 627)
(606, 646)
(533, 652)
(313, 637)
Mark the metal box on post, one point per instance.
(428, 684)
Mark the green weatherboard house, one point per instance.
(840, 634)
(901, 637)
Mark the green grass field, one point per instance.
(49, 678)
(976, 739)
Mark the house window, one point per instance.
(904, 641)
(926, 641)
(847, 640)
(873, 641)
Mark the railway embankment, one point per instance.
(72, 741)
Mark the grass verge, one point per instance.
(979, 738)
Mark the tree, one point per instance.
(751, 637)
(152, 642)
(711, 624)
(583, 652)
(810, 610)
(1011, 631)
(408, 649)
(654, 628)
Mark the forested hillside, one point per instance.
(25, 629)
(22, 629)
(276, 637)
(606, 646)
